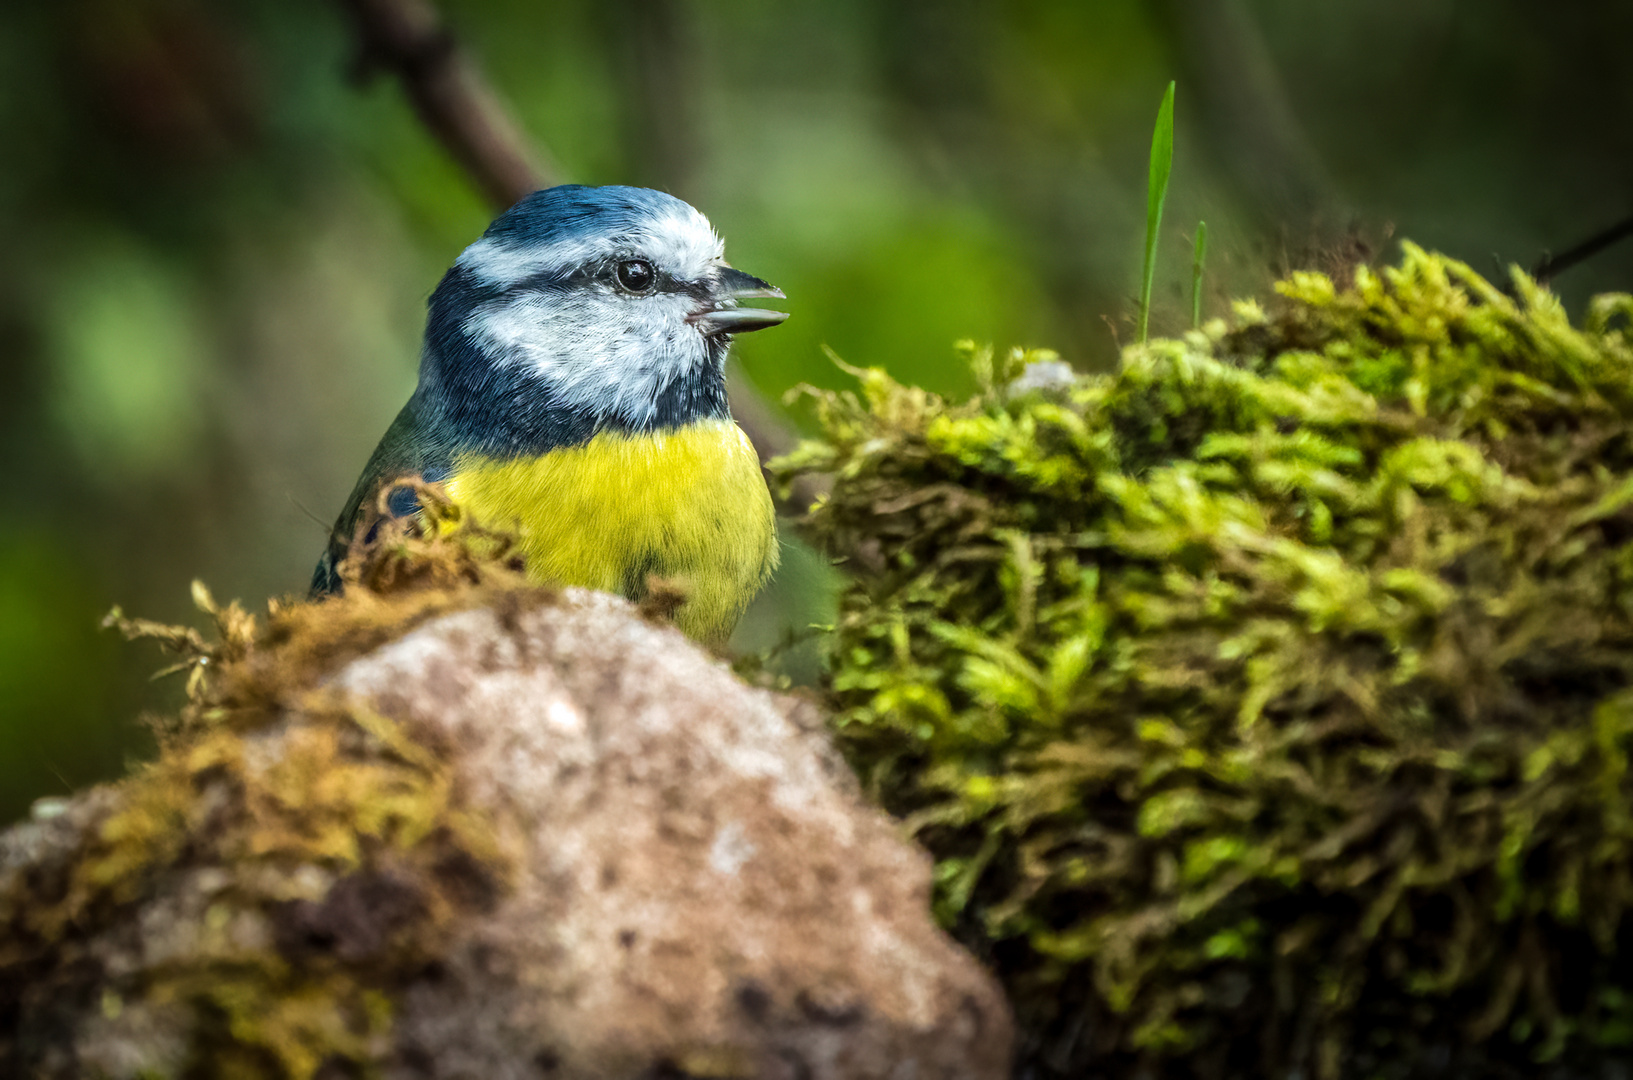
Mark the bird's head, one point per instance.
(608, 306)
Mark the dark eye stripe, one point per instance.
(606, 274)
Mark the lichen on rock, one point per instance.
(245, 904)
(1267, 702)
(454, 824)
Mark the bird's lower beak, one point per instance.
(724, 316)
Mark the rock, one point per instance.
(680, 878)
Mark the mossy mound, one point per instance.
(299, 889)
(1267, 703)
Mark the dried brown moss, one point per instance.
(1268, 702)
(315, 880)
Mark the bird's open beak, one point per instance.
(724, 316)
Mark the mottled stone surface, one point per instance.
(696, 886)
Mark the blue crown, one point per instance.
(572, 211)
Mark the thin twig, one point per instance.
(409, 39)
(1551, 266)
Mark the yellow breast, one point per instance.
(689, 504)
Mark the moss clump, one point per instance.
(284, 897)
(1267, 703)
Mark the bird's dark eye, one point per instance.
(636, 275)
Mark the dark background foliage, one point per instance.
(217, 244)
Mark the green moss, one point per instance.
(327, 875)
(1267, 703)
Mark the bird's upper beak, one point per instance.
(724, 316)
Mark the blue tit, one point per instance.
(572, 388)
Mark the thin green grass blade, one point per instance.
(1197, 257)
(1162, 164)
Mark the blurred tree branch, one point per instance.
(409, 39)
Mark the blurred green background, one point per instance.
(216, 244)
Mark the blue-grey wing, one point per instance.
(406, 449)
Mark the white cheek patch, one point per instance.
(511, 332)
(609, 355)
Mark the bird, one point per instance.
(572, 389)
